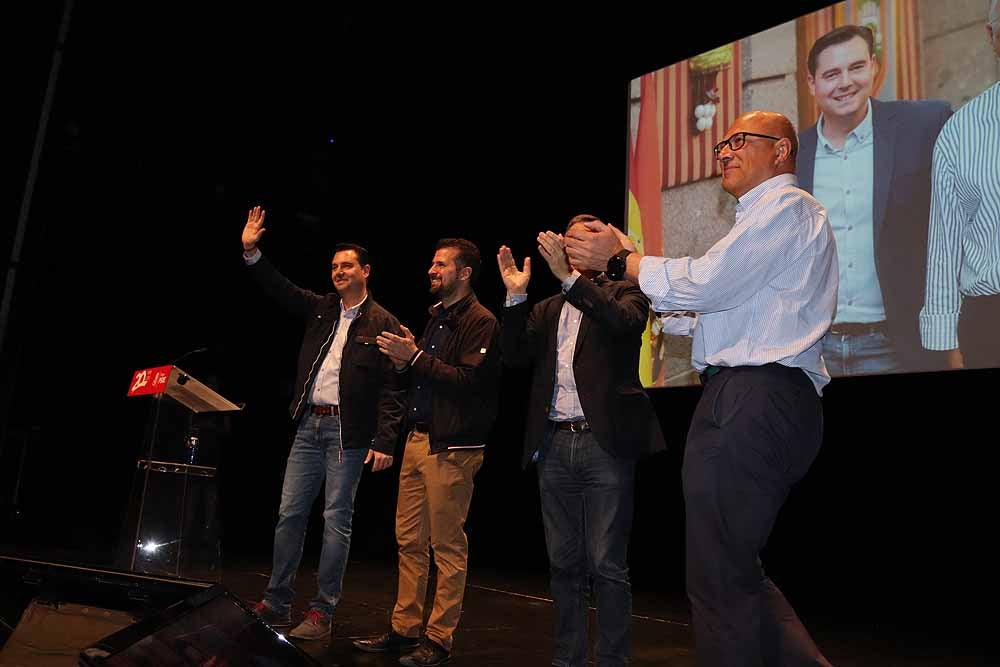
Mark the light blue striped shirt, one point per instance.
(844, 183)
(766, 292)
(963, 248)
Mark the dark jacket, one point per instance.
(371, 405)
(904, 136)
(605, 364)
(464, 375)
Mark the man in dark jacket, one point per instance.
(588, 422)
(348, 410)
(453, 375)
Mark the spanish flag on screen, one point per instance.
(645, 225)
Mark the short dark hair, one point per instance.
(468, 255)
(582, 217)
(844, 33)
(360, 251)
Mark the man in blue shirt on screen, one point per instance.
(869, 163)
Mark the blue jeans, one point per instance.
(864, 354)
(587, 504)
(316, 456)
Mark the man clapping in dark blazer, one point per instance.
(588, 422)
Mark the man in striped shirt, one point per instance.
(963, 256)
(765, 295)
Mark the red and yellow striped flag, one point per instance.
(669, 151)
(689, 153)
(645, 225)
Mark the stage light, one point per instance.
(150, 547)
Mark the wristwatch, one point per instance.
(617, 264)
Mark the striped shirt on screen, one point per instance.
(963, 247)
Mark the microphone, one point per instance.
(188, 354)
(182, 380)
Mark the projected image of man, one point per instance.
(961, 313)
(869, 163)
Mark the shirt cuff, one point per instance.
(567, 284)
(939, 331)
(675, 324)
(514, 299)
(653, 280)
(251, 258)
(415, 357)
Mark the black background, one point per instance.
(393, 128)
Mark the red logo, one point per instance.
(149, 381)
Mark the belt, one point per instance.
(578, 426)
(794, 373)
(857, 328)
(324, 409)
(709, 372)
(420, 427)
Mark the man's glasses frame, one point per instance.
(738, 140)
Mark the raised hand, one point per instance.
(254, 228)
(553, 251)
(515, 281)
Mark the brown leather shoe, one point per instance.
(429, 654)
(389, 642)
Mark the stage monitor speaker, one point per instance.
(55, 614)
(210, 628)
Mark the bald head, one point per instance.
(768, 151)
(775, 125)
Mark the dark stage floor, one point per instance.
(506, 620)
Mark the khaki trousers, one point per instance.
(434, 495)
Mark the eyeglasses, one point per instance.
(736, 141)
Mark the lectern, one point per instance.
(173, 525)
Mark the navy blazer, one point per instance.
(904, 135)
(605, 365)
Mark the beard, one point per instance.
(441, 290)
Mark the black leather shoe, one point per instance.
(390, 642)
(429, 654)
